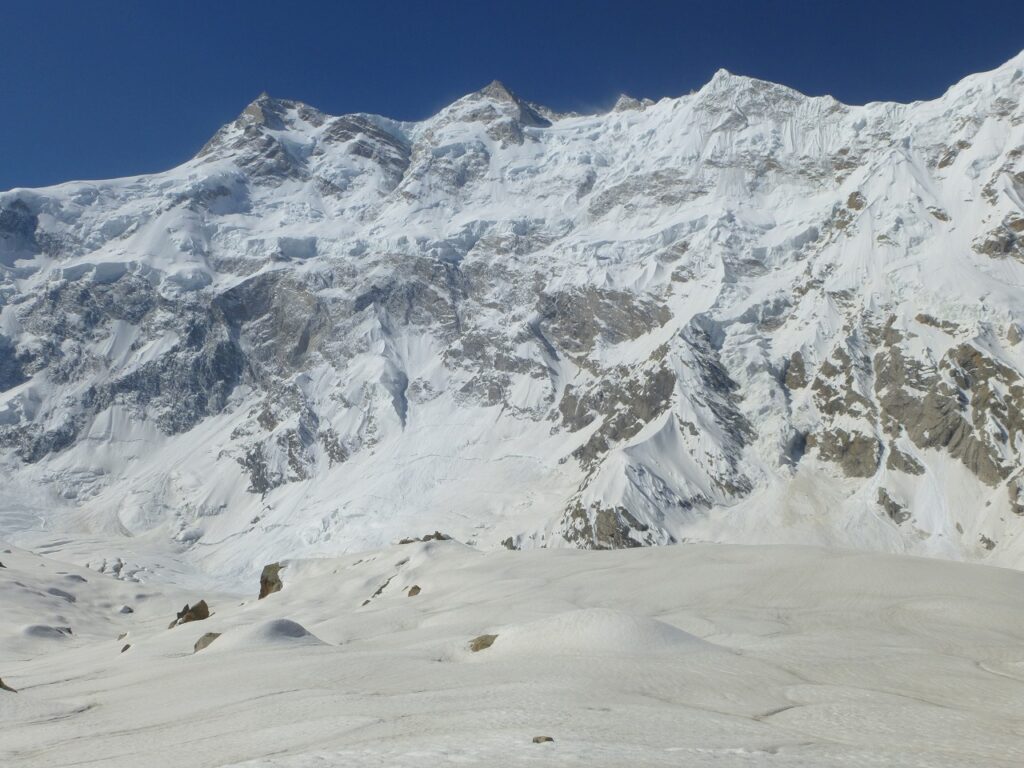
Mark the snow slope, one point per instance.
(740, 315)
(704, 655)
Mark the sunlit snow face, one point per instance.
(742, 315)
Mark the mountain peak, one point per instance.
(509, 104)
(266, 111)
(626, 103)
(499, 91)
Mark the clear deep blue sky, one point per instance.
(103, 88)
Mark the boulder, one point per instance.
(5, 687)
(270, 580)
(196, 612)
(414, 590)
(482, 642)
(542, 739)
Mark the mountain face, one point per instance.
(741, 315)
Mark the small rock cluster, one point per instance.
(196, 612)
(435, 536)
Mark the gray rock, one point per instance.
(898, 512)
(435, 536)
(857, 454)
(902, 462)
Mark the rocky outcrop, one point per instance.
(435, 536)
(602, 528)
(902, 462)
(896, 511)
(856, 453)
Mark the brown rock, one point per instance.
(482, 642)
(542, 739)
(196, 612)
(126, 647)
(414, 590)
(270, 580)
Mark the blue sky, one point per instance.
(109, 88)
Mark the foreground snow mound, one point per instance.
(704, 656)
(596, 631)
(268, 635)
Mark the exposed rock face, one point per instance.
(902, 462)
(856, 453)
(532, 329)
(600, 528)
(1015, 489)
(5, 687)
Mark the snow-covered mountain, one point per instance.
(741, 315)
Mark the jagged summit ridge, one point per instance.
(744, 314)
